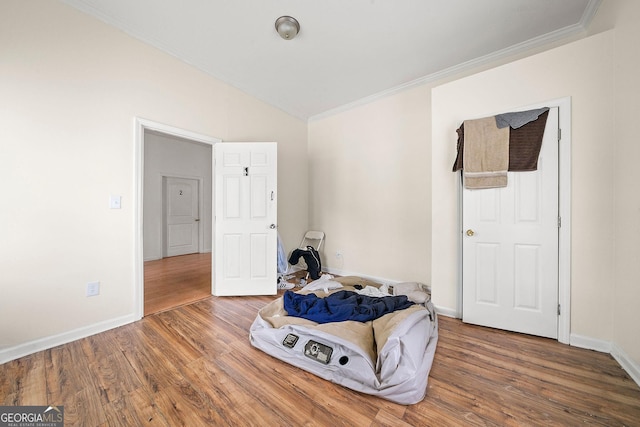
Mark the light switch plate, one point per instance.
(93, 289)
(115, 202)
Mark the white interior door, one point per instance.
(510, 248)
(245, 206)
(182, 216)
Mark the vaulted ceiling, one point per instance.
(347, 50)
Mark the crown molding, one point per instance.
(518, 48)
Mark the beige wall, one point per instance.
(583, 71)
(70, 88)
(370, 187)
(624, 16)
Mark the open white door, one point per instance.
(510, 248)
(245, 207)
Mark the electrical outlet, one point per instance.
(93, 289)
(338, 253)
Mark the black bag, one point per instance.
(311, 258)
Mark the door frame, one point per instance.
(140, 126)
(564, 212)
(164, 177)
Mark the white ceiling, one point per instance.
(347, 50)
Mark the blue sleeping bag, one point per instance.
(341, 306)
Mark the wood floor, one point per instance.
(175, 281)
(194, 366)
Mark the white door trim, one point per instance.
(564, 208)
(140, 125)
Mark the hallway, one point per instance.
(175, 281)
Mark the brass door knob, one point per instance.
(470, 232)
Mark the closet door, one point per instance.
(510, 248)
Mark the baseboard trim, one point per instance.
(338, 272)
(448, 312)
(581, 341)
(25, 349)
(383, 280)
(632, 368)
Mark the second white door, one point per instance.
(510, 248)
(182, 219)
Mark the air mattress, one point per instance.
(389, 357)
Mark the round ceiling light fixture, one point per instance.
(287, 27)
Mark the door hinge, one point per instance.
(558, 309)
(559, 134)
(559, 221)
(246, 171)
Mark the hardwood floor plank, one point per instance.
(133, 409)
(182, 405)
(441, 411)
(236, 405)
(214, 382)
(84, 410)
(189, 328)
(257, 415)
(71, 383)
(168, 341)
(234, 311)
(531, 379)
(110, 369)
(536, 349)
(152, 369)
(268, 389)
(22, 381)
(385, 419)
(499, 402)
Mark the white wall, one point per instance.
(71, 87)
(165, 155)
(370, 187)
(624, 16)
(627, 177)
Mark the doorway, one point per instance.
(169, 155)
